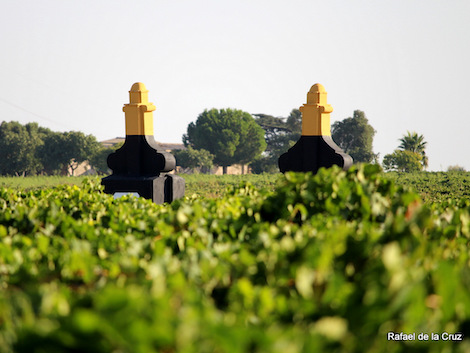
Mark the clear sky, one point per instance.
(69, 65)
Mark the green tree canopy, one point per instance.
(62, 150)
(31, 149)
(294, 124)
(355, 136)
(194, 159)
(79, 148)
(414, 143)
(455, 168)
(402, 161)
(18, 144)
(280, 135)
(99, 159)
(231, 135)
(52, 154)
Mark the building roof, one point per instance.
(162, 145)
(112, 142)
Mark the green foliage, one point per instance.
(78, 148)
(433, 187)
(30, 149)
(353, 195)
(51, 153)
(455, 168)
(38, 182)
(403, 161)
(355, 136)
(436, 187)
(18, 144)
(215, 186)
(280, 134)
(191, 158)
(410, 155)
(231, 135)
(414, 143)
(264, 164)
(294, 124)
(324, 263)
(201, 185)
(99, 158)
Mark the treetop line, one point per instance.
(219, 136)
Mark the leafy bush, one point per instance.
(327, 263)
(403, 161)
(455, 168)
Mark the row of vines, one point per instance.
(326, 263)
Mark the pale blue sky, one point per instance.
(69, 65)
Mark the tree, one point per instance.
(455, 168)
(99, 159)
(52, 154)
(414, 143)
(66, 150)
(18, 145)
(275, 133)
(79, 148)
(191, 158)
(355, 136)
(280, 135)
(294, 124)
(30, 149)
(264, 164)
(403, 161)
(232, 136)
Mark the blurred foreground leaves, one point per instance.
(330, 262)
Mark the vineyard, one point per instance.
(328, 263)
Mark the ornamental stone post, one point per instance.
(315, 148)
(138, 166)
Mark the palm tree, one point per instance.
(414, 143)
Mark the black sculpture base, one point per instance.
(159, 189)
(139, 156)
(311, 153)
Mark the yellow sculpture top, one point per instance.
(138, 113)
(316, 95)
(316, 113)
(138, 86)
(138, 93)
